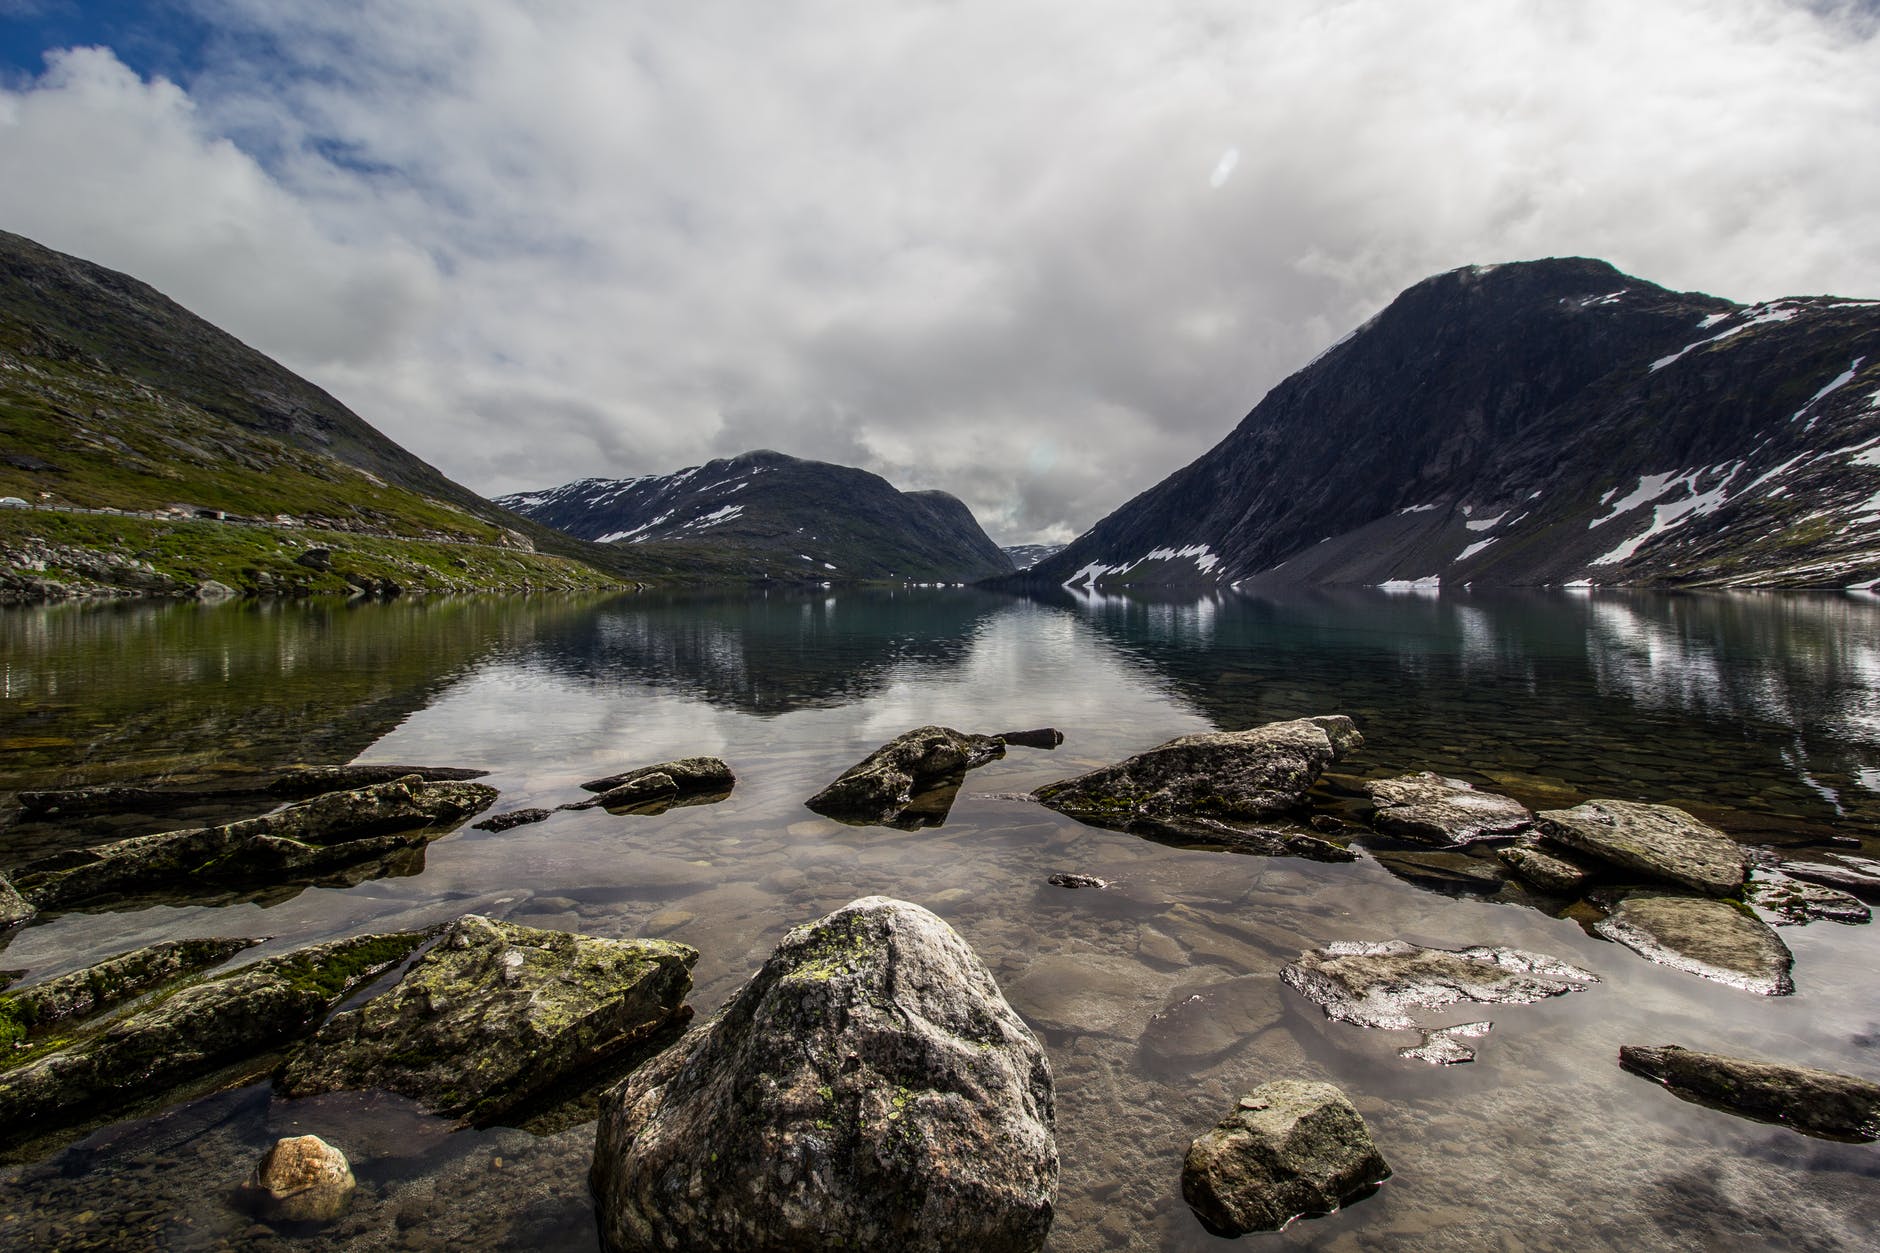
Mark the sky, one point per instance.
(1036, 253)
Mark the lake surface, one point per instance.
(1761, 713)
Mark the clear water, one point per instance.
(1762, 713)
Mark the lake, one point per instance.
(1157, 999)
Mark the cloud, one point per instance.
(534, 242)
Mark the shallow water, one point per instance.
(1760, 712)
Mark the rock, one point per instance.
(1815, 1102)
(191, 1033)
(302, 1179)
(1714, 939)
(1375, 984)
(1087, 993)
(14, 908)
(1550, 871)
(882, 786)
(1859, 875)
(1444, 1046)
(1436, 810)
(509, 821)
(1196, 831)
(1439, 871)
(1222, 775)
(1043, 737)
(669, 778)
(1077, 881)
(211, 590)
(1654, 840)
(496, 1013)
(1205, 1023)
(1290, 1149)
(83, 993)
(312, 836)
(316, 559)
(868, 1089)
(1796, 903)
(315, 780)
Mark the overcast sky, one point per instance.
(1039, 253)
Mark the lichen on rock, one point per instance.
(884, 787)
(1290, 1148)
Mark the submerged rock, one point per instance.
(1714, 939)
(1444, 871)
(1444, 1046)
(1658, 841)
(1548, 870)
(302, 1179)
(496, 1013)
(192, 1033)
(1289, 1149)
(1043, 737)
(880, 787)
(1796, 903)
(511, 820)
(1225, 774)
(83, 993)
(1063, 880)
(1815, 1102)
(14, 908)
(649, 785)
(310, 837)
(1436, 810)
(868, 1089)
(1376, 984)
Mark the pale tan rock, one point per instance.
(302, 1179)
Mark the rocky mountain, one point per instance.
(117, 401)
(1546, 422)
(1025, 556)
(770, 516)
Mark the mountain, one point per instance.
(1546, 422)
(765, 515)
(142, 430)
(1025, 556)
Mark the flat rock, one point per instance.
(494, 1014)
(868, 1089)
(1710, 938)
(1377, 984)
(1815, 1102)
(1657, 841)
(1443, 871)
(191, 1033)
(1858, 875)
(511, 820)
(883, 786)
(329, 831)
(83, 993)
(1222, 775)
(1207, 1022)
(1546, 869)
(1797, 903)
(1445, 1045)
(1436, 810)
(1289, 1149)
(1087, 992)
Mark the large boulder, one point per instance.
(1222, 775)
(1816, 1102)
(189, 1034)
(868, 1089)
(1658, 841)
(1289, 1149)
(1714, 939)
(83, 993)
(496, 1013)
(311, 837)
(882, 787)
(1435, 810)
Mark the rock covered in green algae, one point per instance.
(881, 785)
(868, 1089)
(1659, 841)
(1377, 984)
(1816, 1102)
(1220, 774)
(1796, 902)
(332, 830)
(1714, 939)
(1290, 1148)
(82, 993)
(1434, 810)
(192, 1033)
(495, 1013)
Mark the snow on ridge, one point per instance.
(1677, 513)
(1472, 549)
(1419, 509)
(1839, 381)
(1204, 559)
(1650, 487)
(1715, 318)
(1487, 524)
(1757, 315)
(716, 516)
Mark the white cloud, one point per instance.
(925, 238)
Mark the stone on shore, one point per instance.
(883, 786)
(201, 1029)
(1224, 775)
(1429, 808)
(1549, 870)
(1796, 902)
(868, 1089)
(1657, 841)
(83, 993)
(1290, 1149)
(494, 1014)
(314, 836)
(1377, 984)
(302, 1179)
(1815, 1102)
(1714, 939)
(14, 908)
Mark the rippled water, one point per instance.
(1762, 713)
